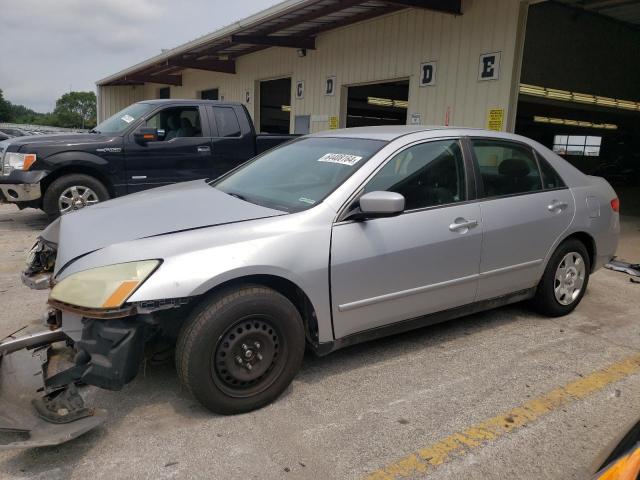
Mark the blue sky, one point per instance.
(50, 46)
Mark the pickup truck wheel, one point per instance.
(564, 281)
(72, 192)
(240, 350)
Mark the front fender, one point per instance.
(293, 247)
(179, 278)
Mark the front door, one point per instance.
(181, 153)
(425, 260)
(522, 215)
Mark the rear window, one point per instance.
(550, 177)
(226, 121)
(506, 168)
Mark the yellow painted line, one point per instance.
(426, 459)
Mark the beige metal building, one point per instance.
(312, 65)
(564, 72)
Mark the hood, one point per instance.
(153, 212)
(62, 139)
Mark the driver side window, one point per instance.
(176, 122)
(427, 175)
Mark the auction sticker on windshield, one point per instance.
(127, 118)
(341, 158)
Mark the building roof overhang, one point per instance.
(291, 24)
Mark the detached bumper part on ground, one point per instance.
(38, 374)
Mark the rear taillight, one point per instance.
(615, 205)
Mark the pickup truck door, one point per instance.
(181, 153)
(233, 139)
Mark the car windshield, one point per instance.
(119, 122)
(300, 174)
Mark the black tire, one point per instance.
(545, 301)
(59, 185)
(218, 332)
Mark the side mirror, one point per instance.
(146, 134)
(378, 205)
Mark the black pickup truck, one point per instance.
(146, 145)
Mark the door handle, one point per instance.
(204, 149)
(462, 225)
(556, 206)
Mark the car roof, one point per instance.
(177, 101)
(392, 132)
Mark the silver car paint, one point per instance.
(297, 246)
(152, 212)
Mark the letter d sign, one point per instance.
(427, 74)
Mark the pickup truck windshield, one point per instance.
(119, 122)
(299, 174)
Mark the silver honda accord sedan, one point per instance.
(330, 240)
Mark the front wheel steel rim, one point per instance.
(249, 357)
(569, 278)
(75, 198)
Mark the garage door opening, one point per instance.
(275, 105)
(378, 104)
(579, 96)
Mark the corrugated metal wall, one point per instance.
(113, 99)
(385, 48)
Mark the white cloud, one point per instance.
(50, 46)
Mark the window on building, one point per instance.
(164, 92)
(211, 94)
(427, 175)
(583, 145)
(506, 168)
(226, 122)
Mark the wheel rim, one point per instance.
(569, 279)
(75, 198)
(249, 357)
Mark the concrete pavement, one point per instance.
(364, 408)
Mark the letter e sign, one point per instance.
(427, 74)
(330, 86)
(489, 68)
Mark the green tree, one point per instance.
(76, 110)
(5, 109)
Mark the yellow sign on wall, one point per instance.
(495, 119)
(333, 123)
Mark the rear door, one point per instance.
(425, 260)
(181, 153)
(233, 140)
(522, 215)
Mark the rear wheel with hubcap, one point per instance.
(564, 281)
(241, 349)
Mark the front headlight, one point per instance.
(103, 287)
(17, 161)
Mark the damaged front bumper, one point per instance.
(39, 373)
(35, 409)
